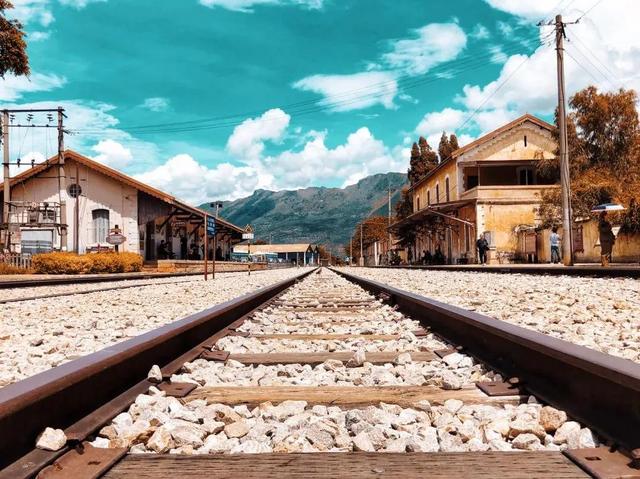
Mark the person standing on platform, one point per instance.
(483, 246)
(555, 240)
(607, 239)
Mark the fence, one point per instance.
(16, 259)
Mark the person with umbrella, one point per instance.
(607, 238)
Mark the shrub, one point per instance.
(9, 269)
(71, 263)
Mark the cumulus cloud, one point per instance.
(352, 92)
(12, 87)
(432, 44)
(156, 104)
(113, 154)
(248, 139)
(434, 123)
(195, 183)
(247, 5)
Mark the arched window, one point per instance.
(100, 225)
(428, 197)
(446, 189)
(437, 192)
(417, 203)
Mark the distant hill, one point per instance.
(314, 215)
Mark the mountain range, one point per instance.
(314, 215)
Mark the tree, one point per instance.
(13, 48)
(404, 207)
(428, 156)
(373, 229)
(416, 168)
(453, 142)
(603, 131)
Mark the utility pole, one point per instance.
(361, 245)
(389, 225)
(565, 176)
(62, 181)
(7, 178)
(351, 251)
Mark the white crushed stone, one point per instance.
(40, 334)
(599, 313)
(156, 423)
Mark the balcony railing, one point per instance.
(507, 192)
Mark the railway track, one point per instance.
(271, 383)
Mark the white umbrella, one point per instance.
(606, 207)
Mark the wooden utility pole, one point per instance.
(389, 225)
(62, 182)
(565, 176)
(361, 245)
(351, 251)
(206, 247)
(7, 178)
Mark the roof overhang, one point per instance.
(442, 210)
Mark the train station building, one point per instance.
(299, 253)
(490, 186)
(91, 202)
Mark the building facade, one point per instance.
(489, 187)
(94, 201)
(301, 254)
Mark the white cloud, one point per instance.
(156, 104)
(40, 11)
(38, 36)
(360, 156)
(79, 3)
(12, 88)
(113, 154)
(529, 10)
(195, 183)
(247, 5)
(434, 44)
(353, 92)
(480, 32)
(436, 122)
(248, 139)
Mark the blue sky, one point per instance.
(215, 98)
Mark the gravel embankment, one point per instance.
(40, 334)
(160, 424)
(599, 313)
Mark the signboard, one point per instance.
(247, 236)
(211, 225)
(116, 238)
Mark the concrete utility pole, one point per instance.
(565, 177)
(7, 178)
(62, 182)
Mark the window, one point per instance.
(446, 187)
(417, 203)
(525, 176)
(74, 190)
(525, 141)
(438, 193)
(428, 198)
(100, 225)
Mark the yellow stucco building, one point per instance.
(489, 186)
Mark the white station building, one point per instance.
(99, 200)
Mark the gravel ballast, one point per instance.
(40, 334)
(599, 313)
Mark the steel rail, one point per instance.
(587, 271)
(65, 396)
(27, 283)
(598, 390)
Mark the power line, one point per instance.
(466, 65)
(589, 10)
(604, 76)
(595, 57)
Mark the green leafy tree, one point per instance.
(13, 48)
(428, 156)
(417, 169)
